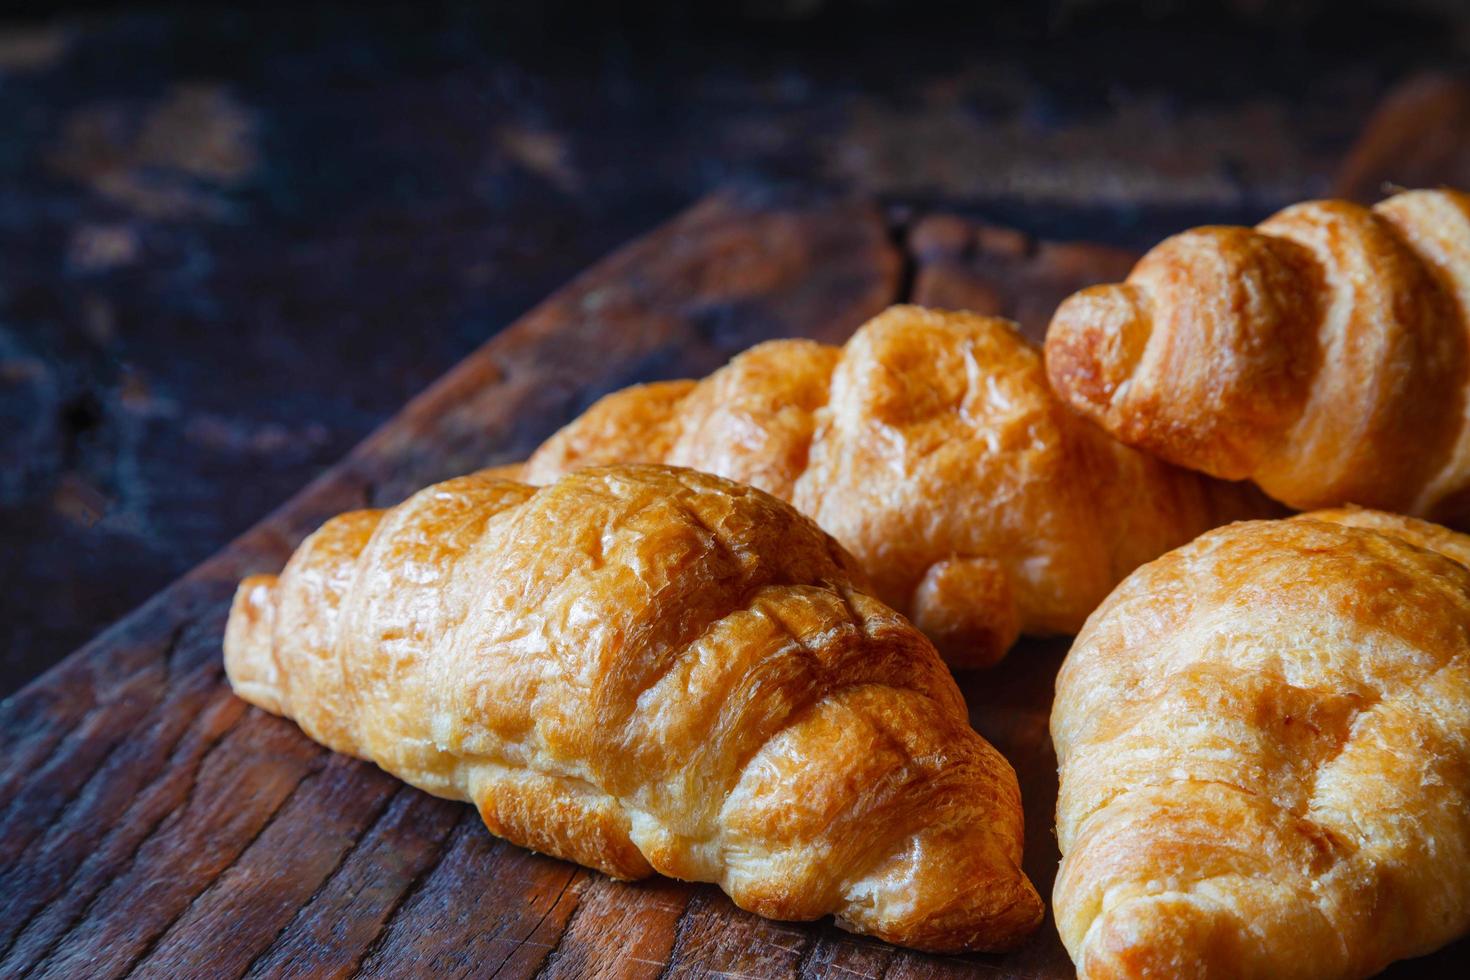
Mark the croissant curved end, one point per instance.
(939, 893)
(1162, 935)
(248, 660)
(968, 607)
(1094, 344)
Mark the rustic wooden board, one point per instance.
(152, 824)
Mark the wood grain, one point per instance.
(152, 825)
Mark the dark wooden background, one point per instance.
(231, 243)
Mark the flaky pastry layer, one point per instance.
(645, 669)
(1322, 354)
(932, 447)
(1264, 747)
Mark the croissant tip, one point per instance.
(247, 643)
(1022, 917)
(1158, 935)
(1093, 345)
(1010, 913)
(991, 906)
(1011, 925)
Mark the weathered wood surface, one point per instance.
(153, 825)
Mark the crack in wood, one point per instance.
(574, 874)
(808, 954)
(52, 735)
(681, 928)
(549, 963)
(448, 844)
(120, 740)
(131, 857)
(16, 792)
(123, 743)
(330, 877)
(116, 827)
(165, 819)
(310, 774)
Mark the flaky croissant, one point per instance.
(932, 448)
(645, 669)
(1264, 742)
(1321, 354)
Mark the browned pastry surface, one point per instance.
(932, 448)
(1321, 354)
(648, 669)
(1264, 742)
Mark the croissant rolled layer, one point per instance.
(1264, 748)
(931, 446)
(645, 669)
(1322, 354)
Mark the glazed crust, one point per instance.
(645, 669)
(1321, 354)
(933, 449)
(1264, 744)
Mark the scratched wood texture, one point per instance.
(153, 825)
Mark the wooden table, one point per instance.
(153, 825)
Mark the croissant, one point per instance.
(1264, 746)
(1321, 354)
(646, 669)
(933, 449)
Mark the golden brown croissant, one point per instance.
(1264, 742)
(932, 448)
(646, 669)
(1321, 354)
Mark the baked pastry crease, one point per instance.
(1321, 354)
(645, 669)
(1264, 747)
(932, 447)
